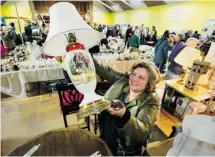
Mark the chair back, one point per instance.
(69, 96)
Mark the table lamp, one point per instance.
(185, 58)
(195, 140)
(71, 37)
(210, 57)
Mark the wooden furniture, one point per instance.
(70, 100)
(159, 148)
(166, 122)
(199, 95)
(83, 7)
(64, 142)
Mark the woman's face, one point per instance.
(138, 80)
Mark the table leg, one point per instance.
(209, 104)
(173, 105)
(95, 125)
(38, 87)
(185, 109)
(173, 92)
(164, 95)
(168, 107)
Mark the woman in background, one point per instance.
(161, 51)
(174, 69)
(134, 42)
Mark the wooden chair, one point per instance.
(70, 99)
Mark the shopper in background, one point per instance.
(8, 38)
(196, 35)
(128, 35)
(28, 33)
(154, 35)
(174, 69)
(11, 27)
(147, 34)
(161, 51)
(134, 42)
(109, 32)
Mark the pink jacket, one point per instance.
(4, 51)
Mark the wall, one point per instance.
(100, 14)
(186, 15)
(8, 11)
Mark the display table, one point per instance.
(13, 83)
(64, 142)
(199, 95)
(124, 66)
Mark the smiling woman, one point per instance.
(126, 128)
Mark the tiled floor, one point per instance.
(25, 118)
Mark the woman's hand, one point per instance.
(117, 111)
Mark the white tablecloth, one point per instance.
(13, 83)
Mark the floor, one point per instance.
(25, 118)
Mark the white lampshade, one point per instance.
(201, 127)
(187, 56)
(211, 54)
(64, 18)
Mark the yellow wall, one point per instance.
(100, 14)
(9, 10)
(186, 15)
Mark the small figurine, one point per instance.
(116, 104)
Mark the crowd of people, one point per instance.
(169, 41)
(123, 129)
(10, 37)
(126, 129)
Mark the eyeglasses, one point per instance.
(140, 78)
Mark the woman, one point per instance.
(154, 34)
(126, 129)
(161, 51)
(147, 35)
(196, 35)
(134, 42)
(174, 69)
(8, 39)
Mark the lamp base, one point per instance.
(181, 82)
(92, 104)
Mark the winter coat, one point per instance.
(175, 67)
(134, 41)
(143, 110)
(161, 51)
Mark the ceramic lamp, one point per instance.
(70, 37)
(195, 140)
(186, 58)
